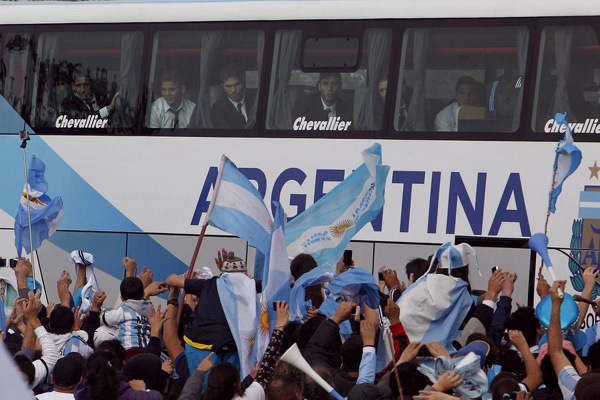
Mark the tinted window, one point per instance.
(333, 99)
(204, 79)
(461, 79)
(14, 57)
(78, 76)
(567, 79)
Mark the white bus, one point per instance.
(461, 96)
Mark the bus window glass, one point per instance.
(567, 80)
(461, 79)
(87, 80)
(204, 79)
(14, 55)
(334, 100)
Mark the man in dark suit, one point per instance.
(326, 104)
(82, 100)
(234, 111)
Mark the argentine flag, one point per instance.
(237, 293)
(46, 213)
(325, 228)
(238, 208)
(276, 282)
(568, 157)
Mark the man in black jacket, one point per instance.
(232, 112)
(82, 100)
(326, 104)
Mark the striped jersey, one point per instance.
(131, 321)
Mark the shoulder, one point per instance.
(188, 103)
(449, 110)
(158, 104)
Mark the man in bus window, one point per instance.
(172, 110)
(326, 104)
(82, 101)
(233, 111)
(465, 95)
(380, 101)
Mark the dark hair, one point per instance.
(172, 75)
(587, 381)
(26, 366)
(282, 388)
(223, 383)
(102, 375)
(411, 379)
(461, 272)
(132, 288)
(301, 264)
(504, 386)
(314, 293)
(312, 390)
(466, 80)
(590, 392)
(511, 362)
(115, 347)
(324, 75)
(61, 320)
(417, 267)
(352, 353)
(593, 356)
(79, 72)
(231, 71)
(548, 375)
(304, 332)
(524, 320)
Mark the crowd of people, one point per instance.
(133, 350)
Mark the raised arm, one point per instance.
(170, 335)
(555, 349)
(534, 374)
(589, 282)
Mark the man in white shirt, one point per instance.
(172, 110)
(465, 95)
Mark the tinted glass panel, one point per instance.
(204, 79)
(78, 76)
(14, 57)
(567, 79)
(329, 101)
(461, 79)
(318, 54)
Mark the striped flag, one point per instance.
(567, 159)
(325, 228)
(238, 208)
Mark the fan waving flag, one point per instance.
(325, 228)
(276, 283)
(238, 208)
(568, 157)
(46, 213)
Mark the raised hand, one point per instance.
(206, 364)
(390, 277)
(130, 265)
(146, 276)
(283, 315)
(99, 298)
(495, 285)
(436, 350)
(508, 285)
(368, 332)
(392, 311)
(410, 352)
(221, 257)
(543, 288)
(343, 312)
(447, 381)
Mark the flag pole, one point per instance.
(552, 188)
(190, 270)
(24, 136)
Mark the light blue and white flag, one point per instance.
(46, 212)
(567, 159)
(326, 227)
(298, 305)
(276, 282)
(433, 308)
(237, 293)
(238, 208)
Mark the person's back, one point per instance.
(61, 331)
(131, 316)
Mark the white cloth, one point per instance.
(45, 365)
(161, 115)
(80, 257)
(447, 119)
(56, 396)
(252, 392)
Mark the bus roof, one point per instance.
(35, 12)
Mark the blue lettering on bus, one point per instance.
(408, 178)
(473, 210)
(474, 213)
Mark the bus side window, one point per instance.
(14, 57)
(568, 79)
(204, 80)
(87, 80)
(332, 99)
(461, 79)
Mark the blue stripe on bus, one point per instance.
(589, 196)
(589, 213)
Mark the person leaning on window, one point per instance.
(172, 110)
(82, 100)
(233, 111)
(465, 95)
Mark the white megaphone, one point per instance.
(538, 242)
(293, 356)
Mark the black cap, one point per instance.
(370, 391)
(68, 370)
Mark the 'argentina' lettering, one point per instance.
(459, 196)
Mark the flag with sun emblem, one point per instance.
(325, 228)
(567, 159)
(276, 282)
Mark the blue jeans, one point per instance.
(195, 356)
